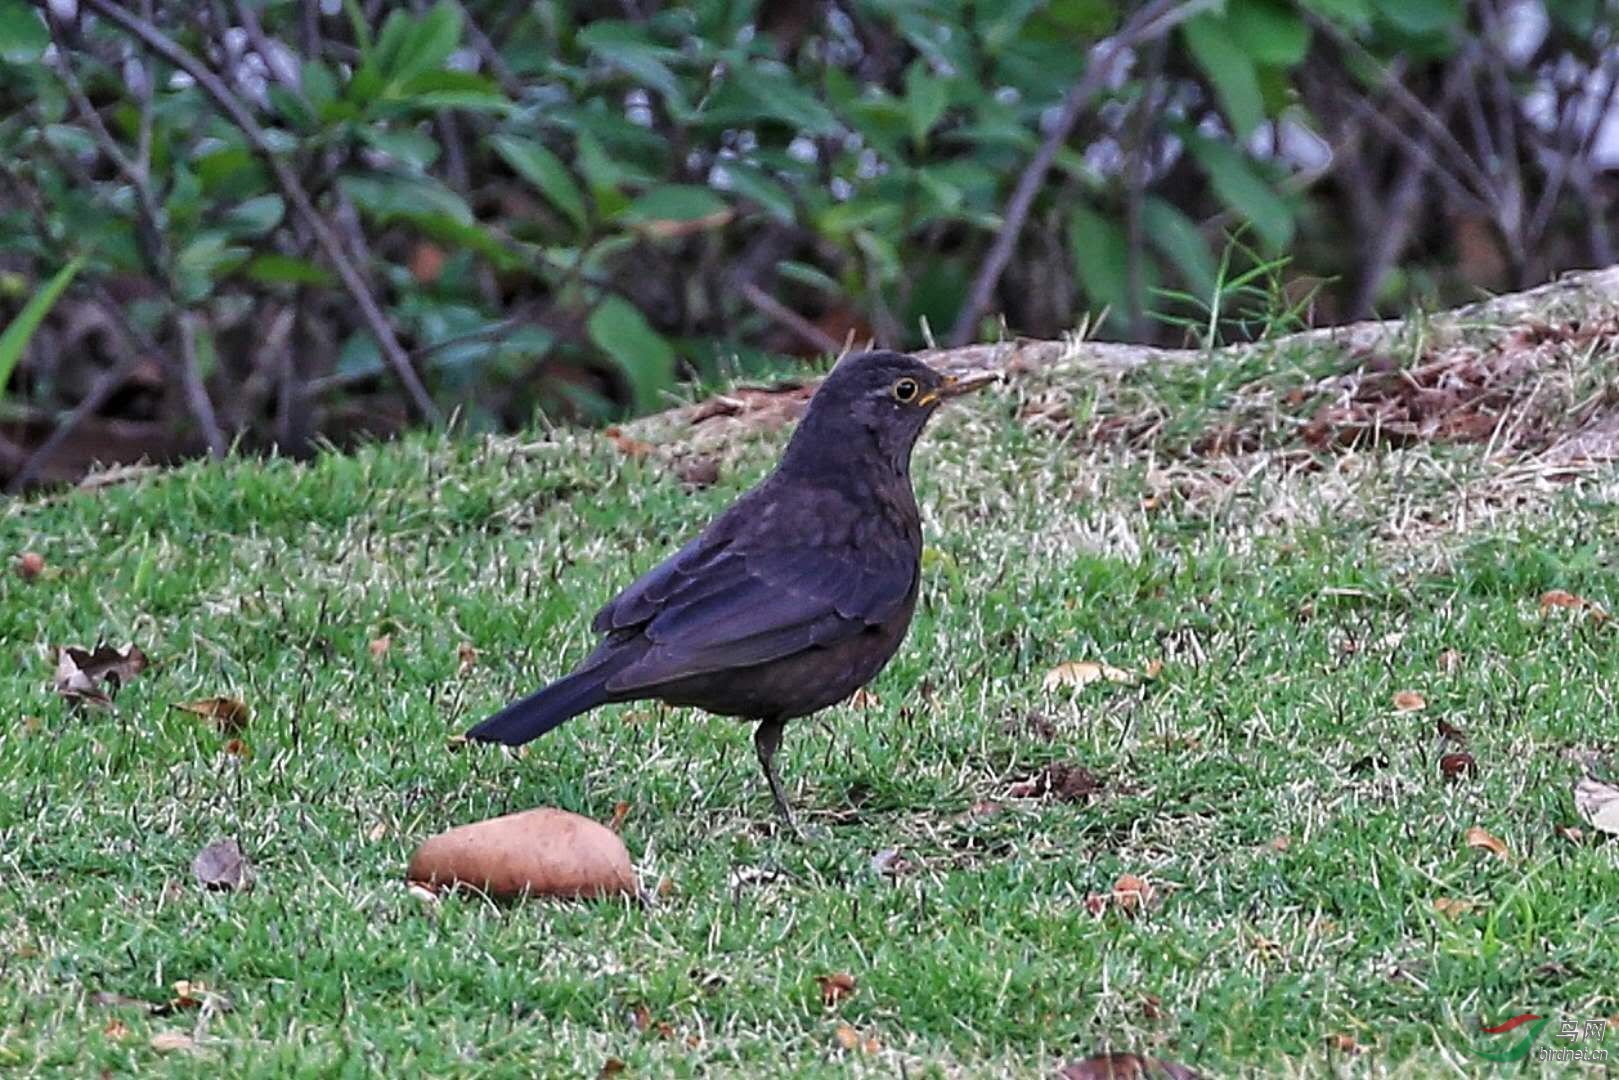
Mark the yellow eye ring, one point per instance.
(905, 391)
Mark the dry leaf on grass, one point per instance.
(1456, 766)
(30, 564)
(468, 657)
(1478, 837)
(611, 1067)
(1450, 661)
(1344, 1043)
(379, 646)
(1070, 783)
(1409, 701)
(116, 1029)
(80, 674)
(1132, 895)
(1083, 673)
(1451, 907)
(629, 447)
(169, 1042)
(621, 810)
(1124, 1067)
(835, 987)
(1598, 804)
(1559, 598)
(221, 865)
(228, 714)
(697, 473)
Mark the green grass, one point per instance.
(1287, 608)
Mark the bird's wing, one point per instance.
(749, 591)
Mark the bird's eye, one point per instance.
(905, 391)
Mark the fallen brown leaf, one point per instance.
(1409, 701)
(621, 810)
(116, 1029)
(1598, 804)
(1451, 907)
(1559, 598)
(221, 865)
(611, 1067)
(1478, 837)
(426, 262)
(1070, 783)
(237, 748)
(1344, 1043)
(169, 1042)
(1152, 1007)
(846, 1036)
(835, 987)
(641, 1018)
(228, 714)
(1450, 733)
(1450, 661)
(379, 646)
(79, 674)
(1095, 904)
(1124, 1067)
(468, 657)
(1154, 668)
(1083, 673)
(666, 887)
(627, 446)
(1456, 766)
(1132, 895)
(30, 564)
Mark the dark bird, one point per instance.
(792, 599)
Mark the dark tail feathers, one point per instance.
(545, 709)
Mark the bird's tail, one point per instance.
(533, 716)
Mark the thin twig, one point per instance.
(780, 313)
(238, 113)
(196, 393)
(1157, 18)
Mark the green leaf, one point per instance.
(255, 216)
(1229, 70)
(390, 198)
(1269, 31)
(276, 269)
(318, 83)
(408, 145)
(674, 202)
(1177, 237)
(926, 97)
(1100, 248)
(540, 167)
(451, 90)
(209, 257)
(428, 42)
(1242, 189)
(645, 357)
(1353, 13)
(778, 95)
(752, 183)
(23, 39)
(1420, 17)
(20, 331)
(623, 46)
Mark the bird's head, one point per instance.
(884, 398)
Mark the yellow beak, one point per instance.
(956, 385)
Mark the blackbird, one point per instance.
(794, 597)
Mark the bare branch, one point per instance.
(1154, 20)
(285, 179)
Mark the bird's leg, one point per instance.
(766, 741)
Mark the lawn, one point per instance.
(1309, 629)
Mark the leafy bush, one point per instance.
(300, 219)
